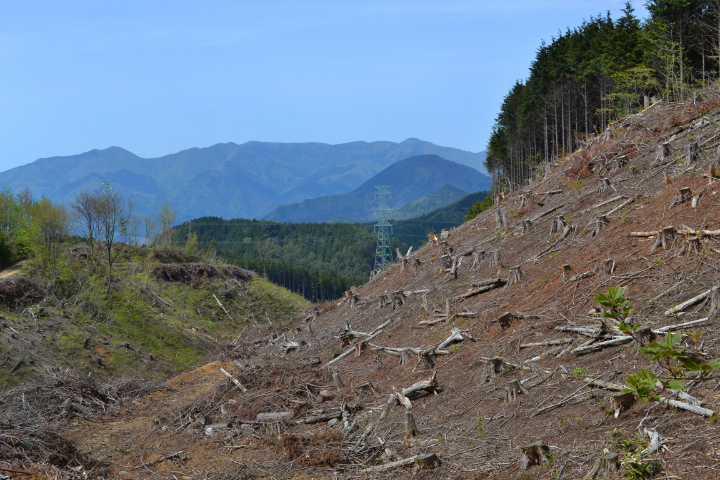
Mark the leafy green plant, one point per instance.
(579, 372)
(674, 357)
(577, 186)
(659, 261)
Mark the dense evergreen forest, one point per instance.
(592, 75)
(316, 260)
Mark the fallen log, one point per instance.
(455, 336)
(275, 416)
(601, 345)
(390, 466)
(496, 283)
(234, 380)
(323, 417)
(688, 303)
(680, 325)
(686, 406)
(429, 385)
(560, 341)
(374, 334)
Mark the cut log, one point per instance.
(275, 416)
(411, 430)
(533, 454)
(374, 333)
(601, 345)
(688, 303)
(688, 407)
(496, 283)
(234, 380)
(560, 341)
(581, 276)
(403, 400)
(455, 336)
(324, 396)
(430, 385)
(390, 466)
(603, 384)
(426, 462)
(513, 389)
(695, 200)
(682, 195)
(622, 402)
(323, 417)
(679, 326)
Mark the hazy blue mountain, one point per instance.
(227, 180)
(438, 199)
(409, 180)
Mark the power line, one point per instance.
(383, 251)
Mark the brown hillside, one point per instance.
(547, 281)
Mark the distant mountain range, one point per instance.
(229, 180)
(409, 180)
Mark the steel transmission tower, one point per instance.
(383, 252)
(106, 189)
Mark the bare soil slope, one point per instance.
(484, 394)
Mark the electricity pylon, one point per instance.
(383, 252)
(106, 189)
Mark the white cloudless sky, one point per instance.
(156, 77)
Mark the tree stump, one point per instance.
(714, 302)
(523, 200)
(426, 462)
(415, 263)
(603, 185)
(668, 182)
(515, 274)
(495, 367)
(622, 402)
(527, 226)
(479, 256)
(691, 247)
(712, 175)
(505, 320)
(428, 358)
(599, 222)
(644, 335)
(695, 200)
(338, 381)
(664, 153)
(425, 305)
(411, 430)
(360, 347)
(504, 219)
(533, 454)
(495, 258)
(692, 153)
(558, 224)
(324, 396)
(513, 389)
(682, 195)
(619, 163)
(564, 269)
(609, 266)
(366, 389)
(498, 218)
(609, 463)
(664, 238)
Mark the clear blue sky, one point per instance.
(156, 77)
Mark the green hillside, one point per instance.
(316, 260)
(438, 199)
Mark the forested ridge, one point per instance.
(316, 260)
(594, 74)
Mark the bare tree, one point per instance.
(150, 229)
(167, 217)
(113, 213)
(86, 213)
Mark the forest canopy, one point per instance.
(594, 74)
